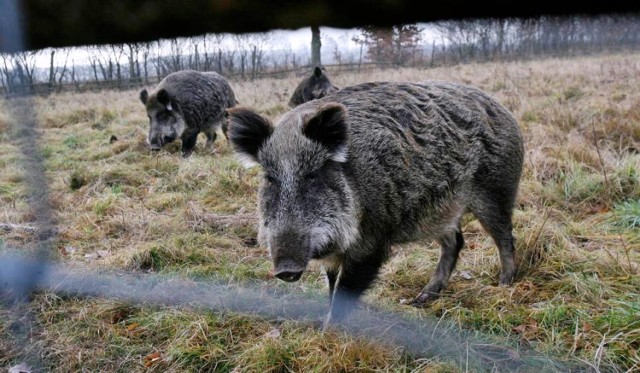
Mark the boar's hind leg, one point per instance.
(354, 279)
(494, 213)
(188, 144)
(211, 137)
(451, 244)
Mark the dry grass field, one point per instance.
(123, 209)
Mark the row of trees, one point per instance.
(124, 65)
(490, 39)
(251, 55)
(496, 39)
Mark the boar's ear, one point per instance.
(164, 98)
(247, 131)
(317, 71)
(144, 96)
(328, 126)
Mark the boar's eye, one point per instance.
(311, 176)
(163, 116)
(270, 179)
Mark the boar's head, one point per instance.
(306, 204)
(311, 88)
(165, 117)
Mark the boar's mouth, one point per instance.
(289, 271)
(161, 141)
(288, 276)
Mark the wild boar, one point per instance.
(348, 175)
(184, 104)
(312, 87)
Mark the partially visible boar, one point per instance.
(312, 87)
(348, 175)
(184, 104)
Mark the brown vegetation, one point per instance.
(576, 225)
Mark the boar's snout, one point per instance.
(289, 249)
(289, 276)
(154, 147)
(166, 139)
(288, 270)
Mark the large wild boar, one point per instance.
(311, 88)
(374, 164)
(184, 104)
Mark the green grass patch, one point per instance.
(627, 214)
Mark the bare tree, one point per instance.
(241, 42)
(218, 40)
(6, 72)
(361, 42)
(316, 45)
(24, 69)
(133, 57)
(258, 42)
(58, 70)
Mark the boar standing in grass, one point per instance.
(311, 88)
(184, 104)
(374, 164)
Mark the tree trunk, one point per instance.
(315, 46)
(52, 76)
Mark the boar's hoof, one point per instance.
(289, 276)
(506, 279)
(424, 298)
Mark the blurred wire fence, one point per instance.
(24, 270)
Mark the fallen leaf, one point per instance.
(598, 209)
(133, 326)
(201, 175)
(525, 286)
(526, 329)
(69, 250)
(474, 245)
(151, 359)
(91, 256)
(520, 328)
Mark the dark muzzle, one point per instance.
(289, 276)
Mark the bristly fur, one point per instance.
(370, 165)
(184, 104)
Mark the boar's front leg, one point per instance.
(188, 143)
(450, 245)
(354, 278)
(332, 277)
